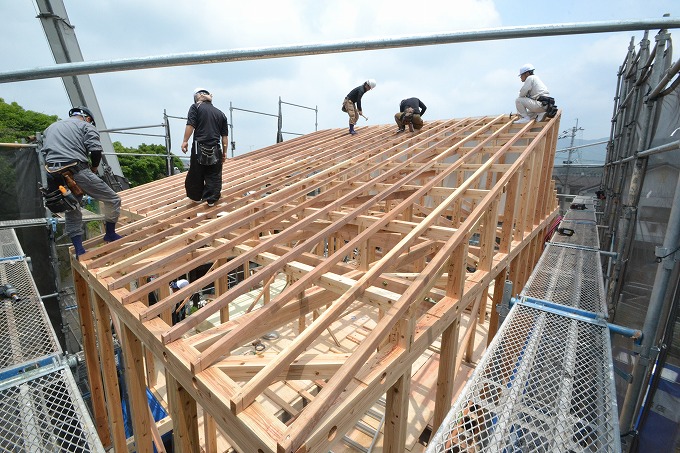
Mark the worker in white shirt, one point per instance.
(179, 314)
(534, 101)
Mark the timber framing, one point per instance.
(411, 229)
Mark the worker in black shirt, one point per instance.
(352, 103)
(208, 125)
(410, 112)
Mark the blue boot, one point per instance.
(78, 245)
(351, 129)
(111, 234)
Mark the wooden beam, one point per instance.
(307, 366)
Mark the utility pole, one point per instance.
(569, 133)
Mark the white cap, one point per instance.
(371, 83)
(198, 90)
(526, 68)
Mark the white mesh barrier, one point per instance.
(41, 409)
(546, 382)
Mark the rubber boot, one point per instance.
(351, 129)
(78, 245)
(111, 234)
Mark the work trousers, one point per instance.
(528, 107)
(204, 182)
(95, 187)
(351, 111)
(417, 121)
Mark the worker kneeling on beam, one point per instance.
(73, 150)
(534, 101)
(410, 113)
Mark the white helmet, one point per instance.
(526, 68)
(198, 90)
(371, 83)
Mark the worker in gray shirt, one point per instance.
(73, 145)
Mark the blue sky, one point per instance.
(453, 80)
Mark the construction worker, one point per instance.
(352, 103)
(208, 125)
(411, 111)
(178, 314)
(74, 145)
(528, 104)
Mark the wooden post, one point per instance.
(397, 397)
(148, 356)
(91, 357)
(221, 287)
(498, 287)
(209, 433)
(446, 375)
(136, 388)
(108, 368)
(184, 417)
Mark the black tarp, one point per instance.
(20, 199)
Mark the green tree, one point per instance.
(142, 169)
(17, 124)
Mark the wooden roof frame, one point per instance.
(428, 222)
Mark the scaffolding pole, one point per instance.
(223, 56)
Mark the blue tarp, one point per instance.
(156, 410)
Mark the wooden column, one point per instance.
(136, 388)
(184, 417)
(446, 374)
(148, 356)
(487, 244)
(221, 287)
(209, 433)
(91, 357)
(396, 414)
(498, 287)
(163, 292)
(396, 407)
(448, 356)
(108, 368)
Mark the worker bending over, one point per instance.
(352, 103)
(411, 111)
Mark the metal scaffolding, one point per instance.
(546, 382)
(41, 408)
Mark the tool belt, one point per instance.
(207, 155)
(549, 104)
(62, 175)
(60, 200)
